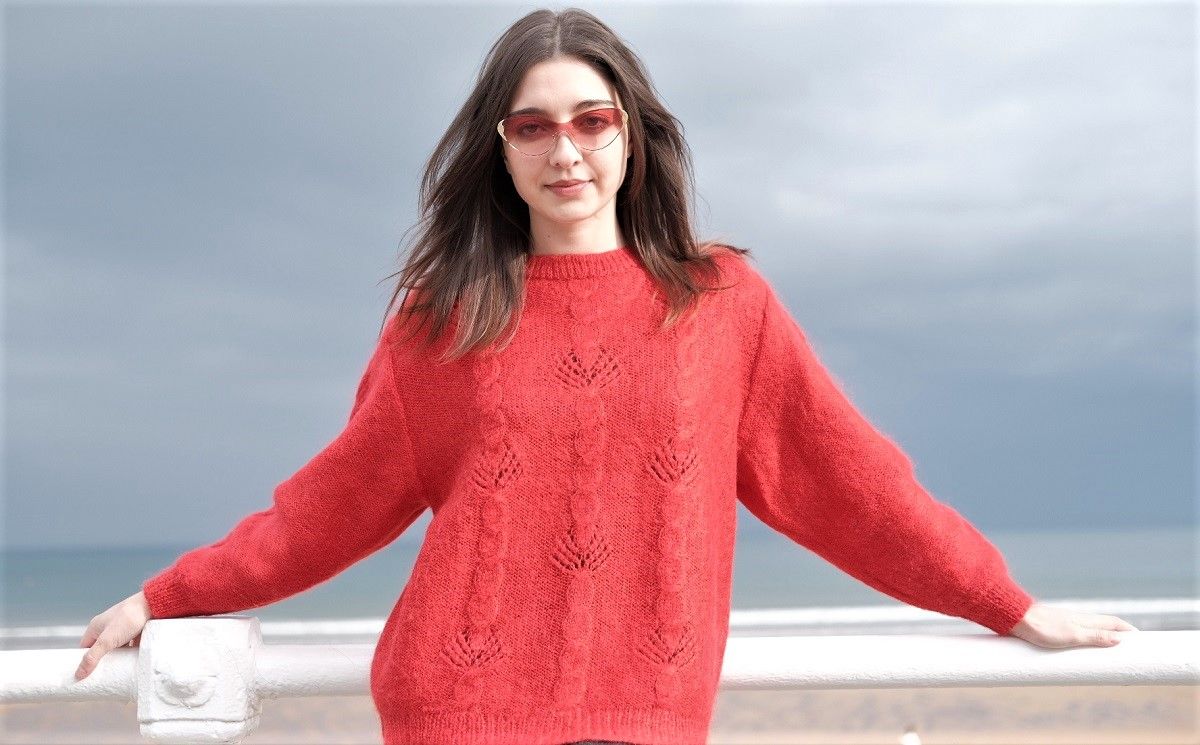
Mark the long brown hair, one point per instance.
(474, 240)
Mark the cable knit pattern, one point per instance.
(477, 645)
(671, 642)
(574, 580)
(587, 368)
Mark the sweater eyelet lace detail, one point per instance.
(498, 474)
(595, 373)
(469, 652)
(672, 647)
(572, 555)
(672, 465)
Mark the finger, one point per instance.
(1113, 623)
(92, 657)
(89, 634)
(1117, 624)
(86, 664)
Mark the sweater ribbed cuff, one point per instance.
(1002, 607)
(165, 595)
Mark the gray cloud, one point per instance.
(983, 216)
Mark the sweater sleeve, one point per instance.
(814, 469)
(355, 496)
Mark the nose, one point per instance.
(560, 154)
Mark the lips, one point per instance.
(570, 182)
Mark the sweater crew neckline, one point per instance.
(579, 265)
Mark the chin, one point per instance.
(572, 208)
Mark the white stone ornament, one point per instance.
(201, 674)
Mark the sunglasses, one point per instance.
(535, 135)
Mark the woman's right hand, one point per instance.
(119, 625)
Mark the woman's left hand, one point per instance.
(1057, 628)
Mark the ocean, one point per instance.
(44, 587)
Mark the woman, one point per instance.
(595, 387)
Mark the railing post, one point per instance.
(196, 679)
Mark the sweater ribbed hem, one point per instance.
(165, 595)
(579, 265)
(641, 726)
(1003, 607)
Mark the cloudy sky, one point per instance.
(982, 214)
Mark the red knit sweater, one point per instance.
(574, 582)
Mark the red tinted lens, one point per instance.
(592, 130)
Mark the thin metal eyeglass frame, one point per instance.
(561, 129)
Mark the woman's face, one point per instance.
(556, 87)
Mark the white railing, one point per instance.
(204, 679)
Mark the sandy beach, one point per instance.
(1079, 715)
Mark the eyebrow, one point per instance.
(589, 103)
